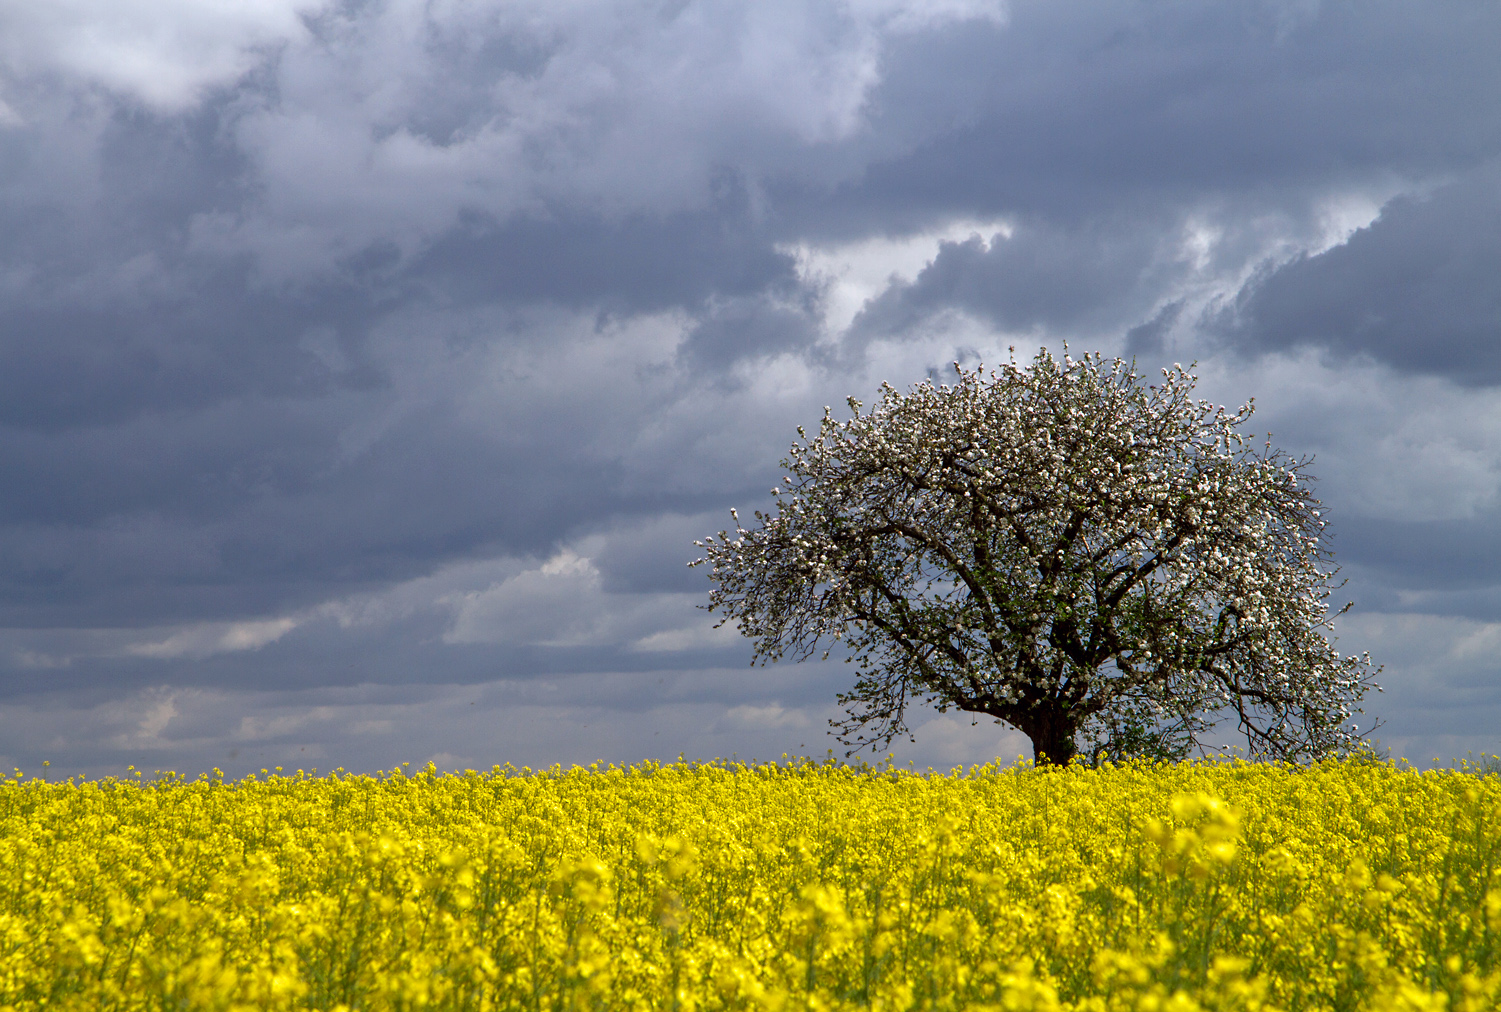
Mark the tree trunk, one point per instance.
(1052, 742)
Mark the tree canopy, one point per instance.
(1061, 547)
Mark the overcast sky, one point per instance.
(368, 367)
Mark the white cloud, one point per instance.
(158, 717)
(697, 636)
(556, 604)
(49, 649)
(958, 739)
(850, 274)
(211, 638)
(385, 122)
(770, 715)
(263, 727)
(610, 106)
(164, 53)
(563, 603)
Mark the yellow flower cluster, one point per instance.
(1350, 885)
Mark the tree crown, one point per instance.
(1062, 547)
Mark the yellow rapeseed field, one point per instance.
(1229, 886)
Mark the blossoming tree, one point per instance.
(1061, 547)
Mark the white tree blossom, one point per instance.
(1061, 547)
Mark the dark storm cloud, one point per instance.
(654, 556)
(734, 329)
(1146, 338)
(171, 423)
(1105, 137)
(253, 511)
(405, 290)
(65, 363)
(637, 263)
(389, 657)
(1451, 555)
(1416, 289)
(1073, 110)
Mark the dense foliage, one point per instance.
(1228, 886)
(1063, 547)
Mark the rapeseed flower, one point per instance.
(1345, 885)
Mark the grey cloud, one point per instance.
(1416, 289)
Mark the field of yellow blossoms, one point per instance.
(800, 885)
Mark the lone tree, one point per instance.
(1060, 547)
